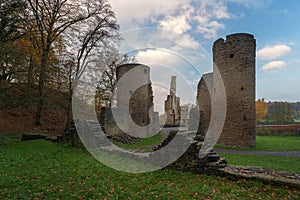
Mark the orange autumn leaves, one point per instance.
(261, 110)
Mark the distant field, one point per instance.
(44, 170)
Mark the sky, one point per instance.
(177, 37)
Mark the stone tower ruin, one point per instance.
(172, 105)
(141, 101)
(235, 59)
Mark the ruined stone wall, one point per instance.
(172, 109)
(172, 105)
(235, 59)
(140, 104)
(204, 102)
(141, 101)
(184, 114)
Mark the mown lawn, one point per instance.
(44, 170)
(269, 143)
(270, 162)
(274, 143)
(143, 143)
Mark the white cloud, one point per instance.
(211, 29)
(179, 16)
(188, 42)
(177, 24)
(208, 17)
(129, 11)
(274, 66)
(156, 56)
(271, 52)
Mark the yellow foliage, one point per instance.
(261, 110)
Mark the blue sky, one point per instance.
(189, 28)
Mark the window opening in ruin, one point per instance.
(242, 88)
(231, 55)
(245, 118)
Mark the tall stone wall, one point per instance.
(141, 101)
(235, 59)
(172, 105)
(205, 87)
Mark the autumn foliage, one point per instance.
(261, 110)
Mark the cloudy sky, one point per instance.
(159, 30)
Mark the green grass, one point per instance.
(269, 162)
(297, 120)
(269, 143)
(9, 136)
(44, 170)
(143, 143)
(273, 143)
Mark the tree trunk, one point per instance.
(30, 73)
(41, 86)
(69, 109)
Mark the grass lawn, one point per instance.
(274, 143)
(44, 170)
(143, 143)
(269, 143)
(269, 162)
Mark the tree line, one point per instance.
(277, 112)
(48, 43)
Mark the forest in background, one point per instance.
(277, 113)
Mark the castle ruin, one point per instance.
(139, 101)
(172, 105)
(235, 60)
(204, 101)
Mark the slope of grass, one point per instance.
(45, 170)
(273, 143)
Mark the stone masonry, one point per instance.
(140, 104)
(141, 101)
(235, 60)
(172, 105)
(204, 103)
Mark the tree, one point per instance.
(106, 86)
(261, 110)
(87, 41)
(11, 15)
(55, 18)
(12, 50)
(280, 113)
